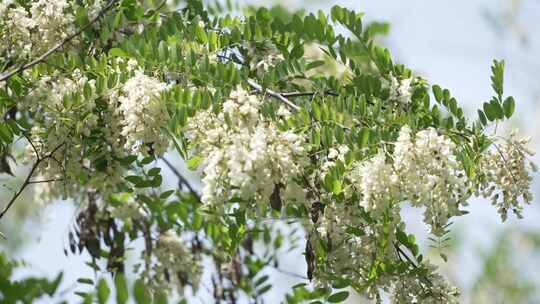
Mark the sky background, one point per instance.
(451, 43)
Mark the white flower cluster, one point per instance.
(175, 265)
(15, 29)
(423, 170)
(506, 178)
(400, 89)
(244, 154)
(334, 154)
(31, 32)
(354, 244)
(95, 8)
(63, 124)
(431, 176)
(126, 209)
(378, 183)
(93, 132)
(43, 25)
(430, 289)
(144, 114)
(54, 22)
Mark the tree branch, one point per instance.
(271, 93)
(300, 94)
(182, 181)
(46, 181)
(27, 180)
(7, 75)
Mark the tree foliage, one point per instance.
(287, 118)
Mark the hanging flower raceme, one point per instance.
(89, 132)
(431, 176)
(423, 170)
(15, 29)
(400, 89)
(54, 22)
(244, 154)
(430, 289)
(144, 114)
(174, 266)
(377, 182)
(505, 176)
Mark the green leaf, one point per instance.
(163, 51)
(438, 93)
(5, 133)
(497, 109)
(85, 281)
(201, 35)
(338, 297)
(482, 117)
(297, 51)
(121, 288)
(509, 106)
(134, 179)
(489, 111)
(161, 298)
(337, 186)
(103, 291)
(140, 293)
(402, 237)
(117, 52)
(193, 163)
(315, 64)
(264, 289)
(166, 194)
(497, 77)
(154, 171)
(363, 137)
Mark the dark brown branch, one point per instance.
(182, 181)
(46, 181)
(32, 144)
(52, 50)
(401, 253)
(289, 273)
(27, 179)
(300, 94)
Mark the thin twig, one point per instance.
(27, 179)
(44, 56)
(291, 274)
(300, 94)
(400, 253)
(277, 95)
(32, 144)
(46, 181)
(182, 181)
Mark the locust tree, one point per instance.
(297, 118)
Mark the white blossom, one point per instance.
(16, 27)
(377, 182)
(505, 175)
(54, 22)
(400, 89)
(431, 176)
(175, 265)
(144, 114)
(243, 154)
(430, 289)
